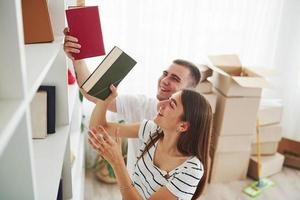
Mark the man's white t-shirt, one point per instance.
(135, 108)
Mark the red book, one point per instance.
(84, 24)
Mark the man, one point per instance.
(181, 74)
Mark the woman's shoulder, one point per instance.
(147, 129)
(193, 166)
(194, 162)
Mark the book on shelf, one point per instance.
(36, 22)
(50, 107)
(38, 111)
(60, 190)
(84, 24)
(112, 70)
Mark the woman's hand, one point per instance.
(106, 146)
(71, 44)
(113, 94)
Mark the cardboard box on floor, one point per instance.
(233, 79)
(229, 166)
(291, 151)
(270, 111)
(231, 156)
(235, 115)
(269, 165)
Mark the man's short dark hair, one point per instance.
(194, 71)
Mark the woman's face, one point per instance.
(170, 112)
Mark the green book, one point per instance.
(112, 70)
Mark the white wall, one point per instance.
(287, 61)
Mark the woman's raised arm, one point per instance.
(99, 118)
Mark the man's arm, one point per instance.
(82, 72)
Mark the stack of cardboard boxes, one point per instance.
(269, 116)
(238, 96)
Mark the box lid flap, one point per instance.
(251, 82)
(229, 60)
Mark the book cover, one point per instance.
(50, 107)
(84, 24)
(112, 70)
(36, 22)
(38, 111)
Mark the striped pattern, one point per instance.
(148, 178)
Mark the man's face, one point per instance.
(175, 78)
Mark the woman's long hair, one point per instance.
(196, 140)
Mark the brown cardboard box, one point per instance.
(205, 72)
(235, 115)
(269, 111)
(231, 157)
(291, 151)
(266, 148)
(270, 135)
(269, 165)
(232, 79)
(212, 99)
(204, 87)
(229, 166)
(234, 143)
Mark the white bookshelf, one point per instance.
(32, 169)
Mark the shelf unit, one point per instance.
(32, 169)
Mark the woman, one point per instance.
(174, 147)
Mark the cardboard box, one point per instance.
(205, 72)
(236, 115)
(269, 133)
(230, 158)
(269, 165)
(292, 161)
(266, 148)
(212, 99)
(229, 166)
(291, 151)
(204, 87)
(232, 79)
(270, 111)
(234, 143)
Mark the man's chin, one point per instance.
(162, 97)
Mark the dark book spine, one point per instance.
(50, 107)
(60, 190)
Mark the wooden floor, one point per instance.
(287, 188)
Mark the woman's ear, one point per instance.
(184, 126)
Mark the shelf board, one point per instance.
(78, 169)
(11, 113)
(39, 58)
(48, 162)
